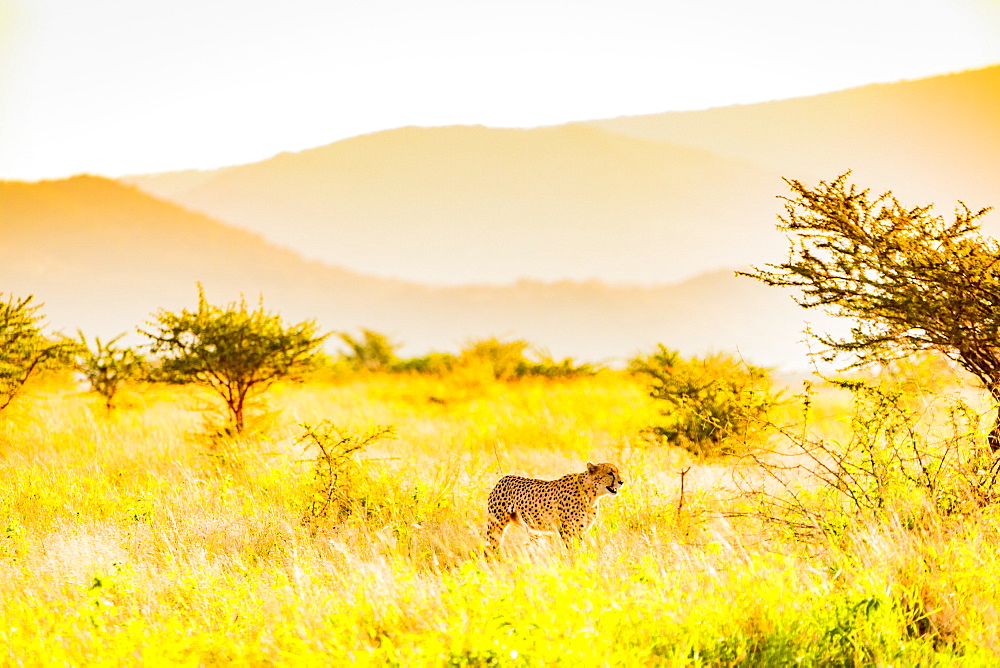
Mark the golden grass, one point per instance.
(134, 538)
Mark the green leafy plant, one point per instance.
(24, 349)
(499, 359)
(235, 352)
(547, 367)
(910, 280)
(334, 471)
(508, 360)
(714, 405)
(906, 453)
(372, 352)
(437, 364)
(107, 366)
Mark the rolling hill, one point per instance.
(929, 140)
(594, 240)
(644, 200)
(103, 256)
(461, 205)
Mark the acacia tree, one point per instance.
(24, 350)
(236, 352)
(910, 280)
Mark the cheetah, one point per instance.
(567, 505)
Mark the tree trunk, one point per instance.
(238, 418)
(235, 405)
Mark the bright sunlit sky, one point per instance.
(130, 86)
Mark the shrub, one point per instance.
(372, 352)
(506, 360)
(547, 367)
(334, 471)
(908, 452)
(714, 405)
(499, 359)
(496, 359)
(434, 363)
(107, 366)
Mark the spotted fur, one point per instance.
(567, 506)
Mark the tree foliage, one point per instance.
(107, 366)
(372, 352)
(24, 349)
(502, 360)
(492, 358)
(711, 405)
(508, 360)
(910, 280)
(236, 352)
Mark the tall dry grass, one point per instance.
(137, 537)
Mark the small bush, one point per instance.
(437, 364)
(549, 368)
(499, 359)
(506, 360)
(334, 470)
(492, 358)
(907, 455)
(107, 367)
(714, 405)
(371, 352)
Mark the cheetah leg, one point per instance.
(570, 537)
(494, 534)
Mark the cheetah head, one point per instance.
(607, 479)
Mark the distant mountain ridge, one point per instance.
(103, 256)
(643, 200)
(357, 233)
(931, 140)
(463, 205)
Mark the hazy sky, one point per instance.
(128, 86)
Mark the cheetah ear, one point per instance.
(591, 468)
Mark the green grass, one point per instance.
(134, 538)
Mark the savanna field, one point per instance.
(859, 528)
